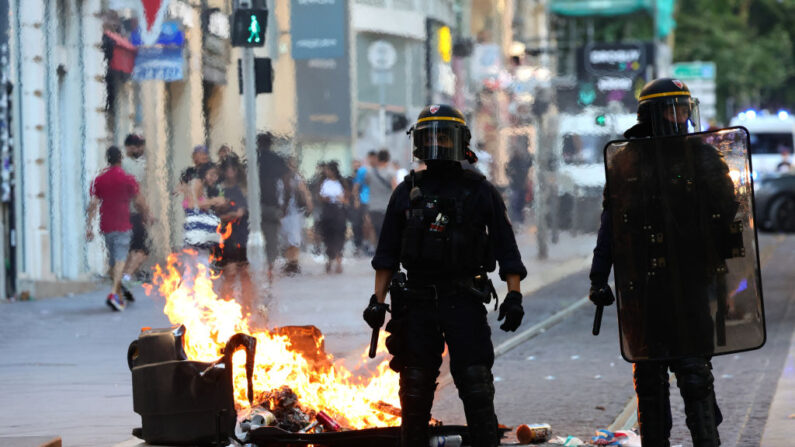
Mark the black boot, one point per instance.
(417, 386)
(654, 408)
(702, 415)
(476, 389)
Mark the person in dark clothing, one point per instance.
(651, 291)
(448, 228)
(517, 170)
(272, 167)
(234, 221)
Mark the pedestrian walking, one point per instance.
(382, 180)
(447, 227)
(668, 226)
(134, 163)
(332, 217)
(233, 257)
(296, 202)
(201, 222)
(271, 169)
(111, 193)
(358, 208)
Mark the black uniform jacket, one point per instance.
(447, 181)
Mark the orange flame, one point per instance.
(349, 398)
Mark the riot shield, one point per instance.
(684, 245)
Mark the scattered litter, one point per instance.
(550, 377)
(626, 438)
(575, 357)
(599, 407)
(736, 357)
(532, 357)
(792, 416)
(612, 364)
(597, 377)
(497, 379)
(533, 433)
(568, 441)
(726, 376)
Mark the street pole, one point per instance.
(382, 114)
(255, 240)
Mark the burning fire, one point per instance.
(211, 320)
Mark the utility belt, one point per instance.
(416, 290)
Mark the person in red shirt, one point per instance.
(112, 192)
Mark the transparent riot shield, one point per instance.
(684, 245)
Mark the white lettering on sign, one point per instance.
(325, 64)
(613, 56)
(316, 43)
(610, 84)
(316, 2)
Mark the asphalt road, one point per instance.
(578, 383)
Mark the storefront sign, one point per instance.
(324, 99)
(313, 38)
(159, 64)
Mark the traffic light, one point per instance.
(248, 27)
(601, 120)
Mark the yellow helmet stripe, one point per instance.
(442, 118)
(658, 95)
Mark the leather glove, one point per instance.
(601, 294)
(511, 310)
(375, 313)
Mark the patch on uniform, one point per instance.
(678, 83)
(433, 109)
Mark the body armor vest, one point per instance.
(442, 236)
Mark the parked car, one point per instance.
(775, 202)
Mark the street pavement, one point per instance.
(64, 370)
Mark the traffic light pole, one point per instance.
(255, 240)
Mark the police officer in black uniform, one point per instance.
(447, 226)
(665, 109)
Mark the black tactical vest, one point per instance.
(442, 236)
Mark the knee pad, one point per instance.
(475, 385)
(694, 379)
(417, 384)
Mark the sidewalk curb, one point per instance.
(780, 426)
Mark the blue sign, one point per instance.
(170, 34)
(318, 28)
(159, 64)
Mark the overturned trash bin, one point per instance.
(181, 401)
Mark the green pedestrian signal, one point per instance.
(601, 120)
(254, 30)
(248, 27)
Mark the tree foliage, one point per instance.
(751, 43)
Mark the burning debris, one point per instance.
(284, 372)
(284, 406)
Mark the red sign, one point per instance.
(152, 12)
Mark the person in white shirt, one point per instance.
(332, 216)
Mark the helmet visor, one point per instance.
(678, 115)
(438, 141)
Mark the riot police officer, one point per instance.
(448, 227)
(666, 109)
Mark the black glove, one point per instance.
(601, 294)
(511, 310)
(375, 313)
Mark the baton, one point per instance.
(374, 342)
(597, 319)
